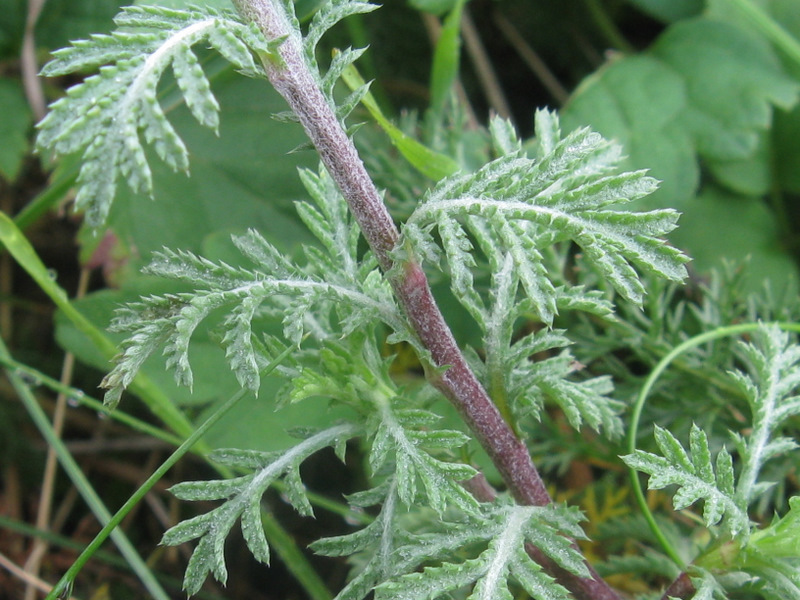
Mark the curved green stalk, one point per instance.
(636, 414)
(81, 483)
(772, 30)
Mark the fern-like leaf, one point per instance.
(242, 497)
(379, 541)
(334, 281)
(770, 387)
(695, 476)
(520, 206)
(504, 530)
(526, 384)
(105, 117)
(771, 390)
(404, 436)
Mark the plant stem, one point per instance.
(451, 375)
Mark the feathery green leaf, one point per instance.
(525, 205)
(504, 530)
(105, 117)
(695, 477)
(242, 497)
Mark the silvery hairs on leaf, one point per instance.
(517, 206)
(333, 294)
(110, 116)
(105, 117)
(770, 386)
(242, 500)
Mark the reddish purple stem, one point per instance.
(292, 79)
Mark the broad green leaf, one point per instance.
(733, 80)
(670, 11)
(637, 101)
(15, 126)
(749, 176)
(706, 89)
(764, 18)
(748, 233)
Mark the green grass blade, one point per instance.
(446, 59)
(430, 163)
(110, 526)
(81, 483)
(22, 251)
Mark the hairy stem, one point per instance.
(292, 78)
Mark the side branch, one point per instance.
(293, 80)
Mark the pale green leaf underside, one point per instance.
(518, 206)
(110, 116)
(242, 498)
(505, 534)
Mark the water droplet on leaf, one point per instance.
(28, 378)
(74, 399)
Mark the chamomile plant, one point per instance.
(538, 233)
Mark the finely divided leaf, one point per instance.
(519, 206)
(243, 500)
(504, 531)
(771, 390)
(335, 281)
(403, 435)
(695, 476)
(379, 541)
(526, 383)
(105, 117)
